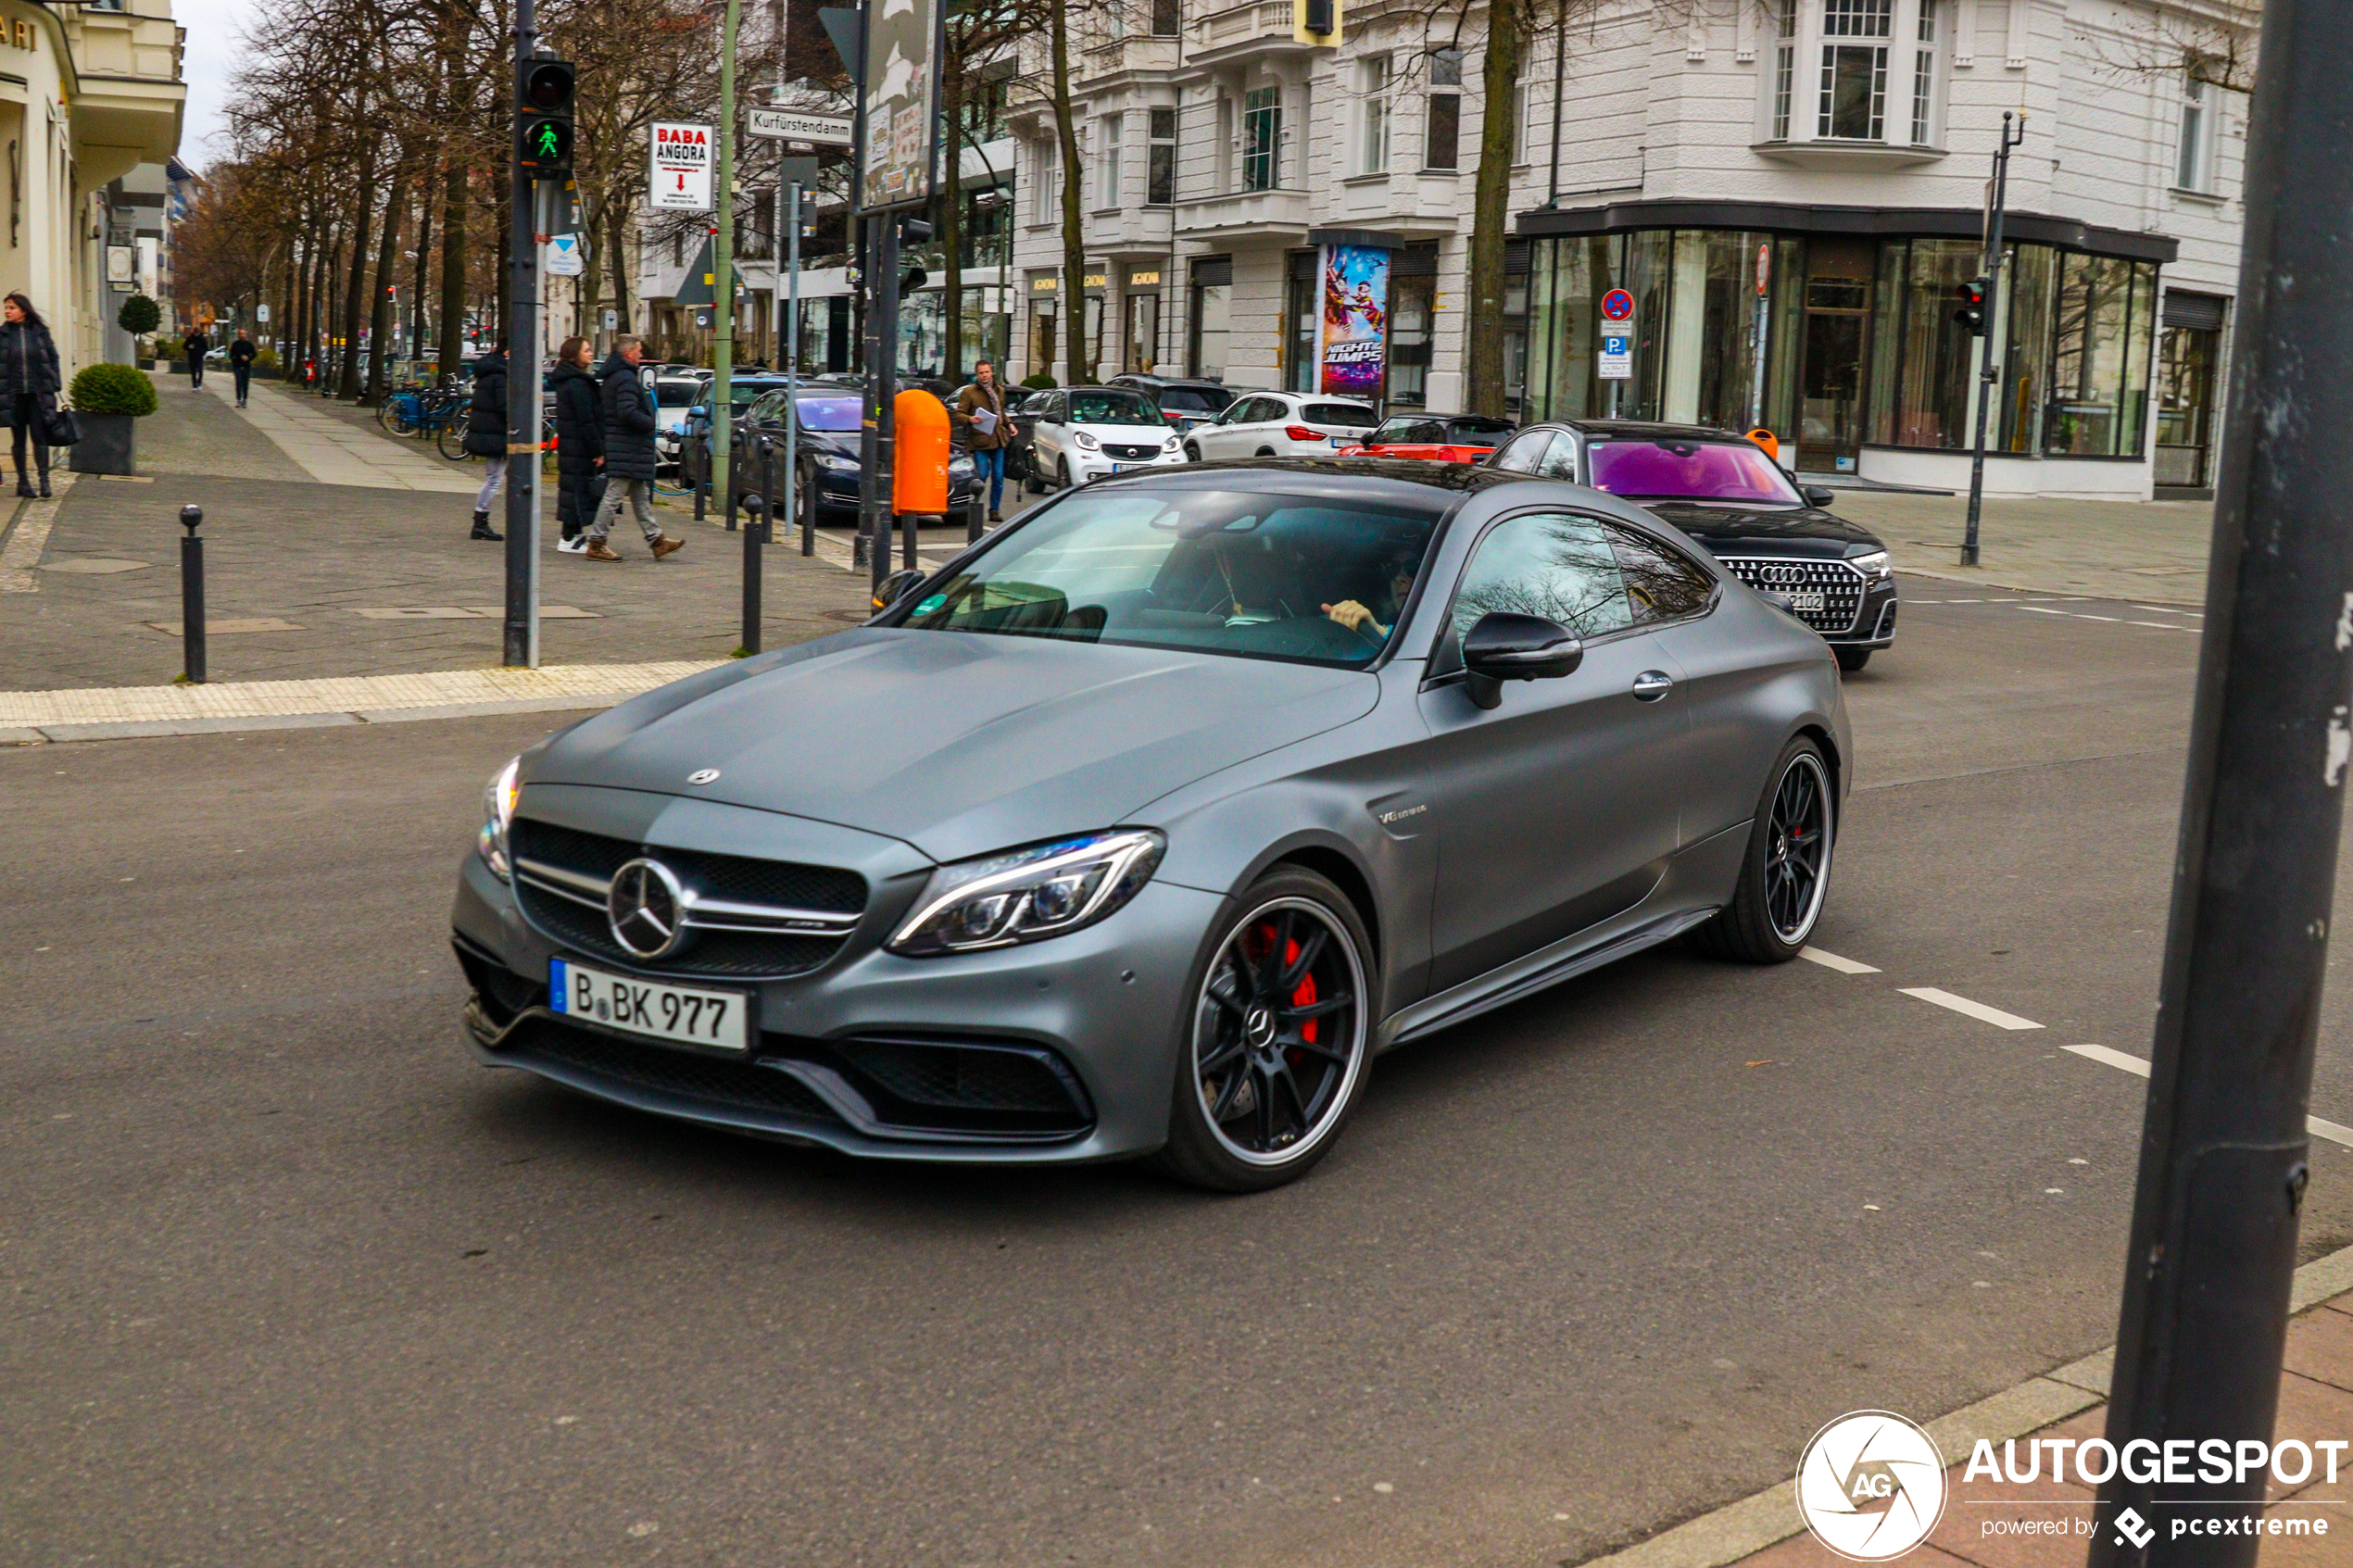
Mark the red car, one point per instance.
(1439, 438)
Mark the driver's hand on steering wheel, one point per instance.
(1356, 617)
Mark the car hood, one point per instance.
(958, 744)
(1125, 435)
(1801, 530)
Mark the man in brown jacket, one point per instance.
(983, 396)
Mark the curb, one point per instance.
(1741, 1529)
(142, 729)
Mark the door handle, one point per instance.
(1652, 684)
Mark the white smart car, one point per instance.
(1088, 431)
(1281, 424)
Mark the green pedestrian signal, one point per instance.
(542, 118)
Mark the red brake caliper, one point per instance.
(1305, 995)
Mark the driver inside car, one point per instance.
(1375, 623)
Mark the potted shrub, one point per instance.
(107, 399)
(139, 317)
(1038, 381)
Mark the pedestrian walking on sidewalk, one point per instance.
(197, 347)
(628, 424)
(486, 436)
(30, 382)
(580, 443)
(985, 397)
(241, 355)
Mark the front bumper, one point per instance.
(1875, 623)
(850, 1055)
(1084, 466)
(837, 490)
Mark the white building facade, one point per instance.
(1791, 192)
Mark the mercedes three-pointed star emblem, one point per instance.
(646, 907)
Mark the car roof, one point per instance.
(1651, 430)
(1394, 479)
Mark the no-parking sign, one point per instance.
(1618, 306)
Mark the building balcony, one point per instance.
(1413, 205)
(1825, 153)
(1131, 233)
(1135, 53)
(1258, 30)
(1277, 217)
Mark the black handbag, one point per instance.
(59, 427)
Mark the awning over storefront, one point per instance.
(1794, 218)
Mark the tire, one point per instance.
(1192, 453)
(389, 416)
(1775, 906)
(1851, 660)
(451, 442)
(1032, 481)
(1324, 1015)
(1062, 473)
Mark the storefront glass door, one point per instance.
(1838, 312)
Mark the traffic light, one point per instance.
(542, 118)
(1971, 312)
(914, 231)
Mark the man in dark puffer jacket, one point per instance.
(629, 426)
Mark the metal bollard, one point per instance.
(191, 627)
(728, 501)
(976, 515)
(755, 535)
(808, 516)
(702, 490)
(909, 524)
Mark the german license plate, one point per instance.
(1805, 601)
(717, 1019)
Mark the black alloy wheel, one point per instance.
(1275, 1050)
(1785, 874)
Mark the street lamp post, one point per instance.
(2212, 1254)
(722, 263)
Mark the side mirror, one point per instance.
(1505, 647)
(895, 587)
(1817, 494)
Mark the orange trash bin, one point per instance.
(919, 467)
(1767, 439)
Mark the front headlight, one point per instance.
(835, 461)
(1876, 564)
(1029, 895)
(1084, 442)
(497, 810)
(1171, 446)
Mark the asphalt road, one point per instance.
(289, 1280)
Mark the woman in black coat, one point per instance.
(579, 442)
(486, 436)
(30, 382)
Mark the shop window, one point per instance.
(1160, 175)
(1041, 336)
(1262, 138)
(2094, 407)
(1939, 355)
(1372, 98)
(1303, 316)
(2028, 277)
(1441, 130)
(1853, 101)
(1208, 314)
(2194, 154)
(1413, 301)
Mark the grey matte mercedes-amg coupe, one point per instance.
(1143, 826)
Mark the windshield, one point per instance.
(831, 411)
(1344, 414)
(1096, 406)
(1221, 572)
(1694, 470)
(1472, 429)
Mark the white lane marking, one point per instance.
(2132, 1064)
(2081, 616)
(2169, 610)
(2038, 609)
(2162, 626)
(1832, 961)
(1977, 1010)
(2336, 1132)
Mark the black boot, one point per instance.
(44, 485)
(24, 487)
(483, 529)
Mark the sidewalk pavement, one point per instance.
(2048, 1524)
(2149, 550)
(334, 451)
(306, 579)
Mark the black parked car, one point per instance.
(1723, 489)
(825, 451)
(1186, 401)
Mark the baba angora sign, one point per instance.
(902, 88)
(680, 178)
(1356, 320)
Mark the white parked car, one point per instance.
(672, 397)
(1088, 431)
(1281, 424)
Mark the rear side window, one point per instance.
(1342, 414)
(1660, 584)
(1522, 456)
(1553, 564)
(1559, 460)
(1188, 400)
(1407, 432)
(1473, 430)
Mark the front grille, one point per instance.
(1131, 454)
(745, 1085)
(939, 1085)
(1842, 586)
(740, 955)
